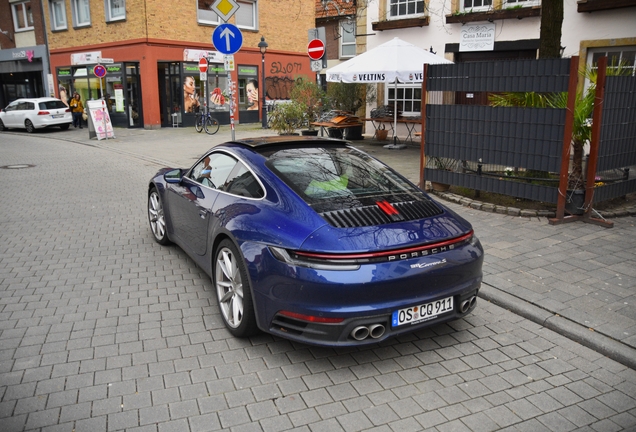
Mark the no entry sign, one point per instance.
(203, 65)
(316, 49)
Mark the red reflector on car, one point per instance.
(310, 318)
(43, 113)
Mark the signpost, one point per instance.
(227, 39)
(99, 71)
(203, 65)
(316, 49)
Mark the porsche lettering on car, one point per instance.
(315, 241)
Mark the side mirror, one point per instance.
(173, 176)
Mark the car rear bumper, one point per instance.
(365, 297)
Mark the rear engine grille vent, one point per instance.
(372, 215)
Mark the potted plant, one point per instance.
(286, 118)
(312, 99)
(350, 97)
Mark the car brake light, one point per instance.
(43, 113)
(67, 110)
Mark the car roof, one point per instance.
(40, 99)
(288, 140)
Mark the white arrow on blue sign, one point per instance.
(227, 38)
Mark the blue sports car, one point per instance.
(315, 241)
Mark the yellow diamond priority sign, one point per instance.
(225, 8)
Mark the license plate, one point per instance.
(425, 312)
(57, 115)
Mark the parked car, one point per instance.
(315, 241)
(37, 113)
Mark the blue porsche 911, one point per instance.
(315, 241)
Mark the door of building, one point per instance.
(170, 93)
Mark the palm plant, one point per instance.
(584, 105)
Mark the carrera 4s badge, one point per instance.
(424, 265)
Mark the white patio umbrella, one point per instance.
(391, 62)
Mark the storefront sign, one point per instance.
(478, 37)
(86, 58)
(248, 70)
(193, 55)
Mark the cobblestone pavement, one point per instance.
(102, 329)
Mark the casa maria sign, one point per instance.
(478, 37)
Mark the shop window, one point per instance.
(247, 14)
(22, 16)
(476, 5)
(347, 39)
(58, 14)
(205, 15)
(405, 8)
(409, 98)
(115, 10)
(248, 92)
(81, 13)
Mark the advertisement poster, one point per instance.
(100, 119)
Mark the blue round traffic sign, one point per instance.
(227, 38)
(99, 71)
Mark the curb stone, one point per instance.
(602, 344)
(512, 211)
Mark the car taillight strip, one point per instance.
(385, 254)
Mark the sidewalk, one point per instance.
(576, 279)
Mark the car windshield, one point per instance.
(337, 178)
(52, 104)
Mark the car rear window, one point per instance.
(339, 178)
(53, 104)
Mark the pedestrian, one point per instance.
(77, 109)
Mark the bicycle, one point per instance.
(207, 122)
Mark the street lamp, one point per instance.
(262, 45)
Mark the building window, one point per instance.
(347, 38)
(246, 15)
(405, 8)
(81, 13)
(508, 4)
(476, 5)
(115, 10)
(409, 98)
(623, 57)
(58, 14)
(22, 16)
(205, 15)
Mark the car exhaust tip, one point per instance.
(376, 330)
(467, 304)
(360, 333)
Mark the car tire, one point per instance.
(233, 291)
(65, 126)
(29, 126)
(156, 218)
(2, 126)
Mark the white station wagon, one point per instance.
(35, 113)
